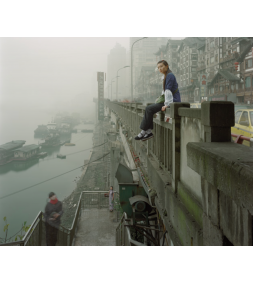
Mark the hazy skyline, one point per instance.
(40, 72)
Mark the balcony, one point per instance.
(229, 57)
(201, 67)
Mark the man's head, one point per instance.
(163, 66)
(52, 196)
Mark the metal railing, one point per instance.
(240, 138)
(161, 146)
(123, 234)
(36, 235)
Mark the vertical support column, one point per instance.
(217, 117)
(115, 158)
(137, 111)
(40, 230)
(176, 136)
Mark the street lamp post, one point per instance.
(111, 88)
(117, 80)
(111, 84)
(132, 66)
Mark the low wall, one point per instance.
(199, 198)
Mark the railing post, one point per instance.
(217, 125)
(176, 136)
(40, 229)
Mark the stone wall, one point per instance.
(205, 198)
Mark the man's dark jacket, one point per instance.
(49, 209)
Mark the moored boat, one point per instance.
(62, 156)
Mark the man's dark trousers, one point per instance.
(147, 121)
(51, 235)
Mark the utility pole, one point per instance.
(117, 80)
(132, 67)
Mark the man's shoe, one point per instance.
(147, 137)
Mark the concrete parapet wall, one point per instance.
(203, 181)
(191, 131)
(227, 171)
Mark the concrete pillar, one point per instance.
(115, 159)
(217, 117)
(176, 136)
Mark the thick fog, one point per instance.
(52, 73)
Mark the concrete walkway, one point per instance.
(97, 227)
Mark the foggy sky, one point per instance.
(41, 72)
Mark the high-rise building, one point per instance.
(143, 54)
(115, 61)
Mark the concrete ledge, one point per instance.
(227, 166)
(190, 112)
(175, 106)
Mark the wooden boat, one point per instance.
(87, 131)
(42, 154)
(61, 156)
(70, 144)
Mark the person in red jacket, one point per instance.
(53, 213)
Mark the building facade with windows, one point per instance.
(115, 61)
(188, 63)
(143, 56)
(231, 78)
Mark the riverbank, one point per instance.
(92, 177)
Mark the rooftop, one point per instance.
(225, 74)
(27, 148)
(190, 41)
(12, 144)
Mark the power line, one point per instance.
(52, 177)
(75, 152)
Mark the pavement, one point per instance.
(97, 227)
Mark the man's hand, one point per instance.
(56, 215)
(164, 108)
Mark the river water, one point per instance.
(14, 177)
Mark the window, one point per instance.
(248, 64)
(194, 57)
(216, 58)
(212, 90)
(237, 86)
(221, 88)
(247, 82)
(244, 121)
(212, 44)
(207, 62)
(212, 59)
(194, 69)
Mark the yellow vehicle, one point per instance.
(243, 124)
(195, 105)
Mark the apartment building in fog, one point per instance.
(116, 60)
